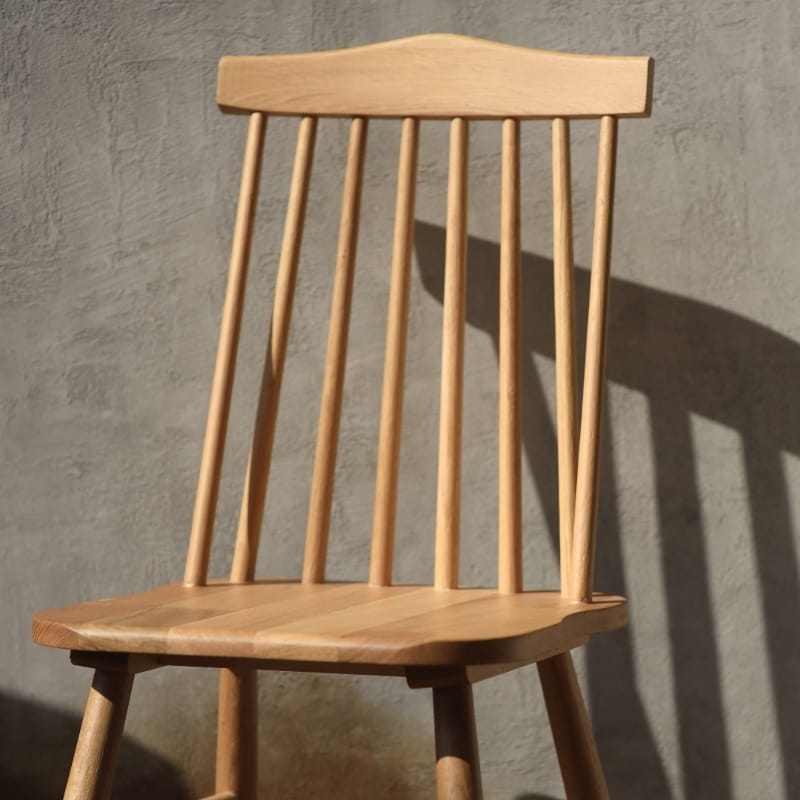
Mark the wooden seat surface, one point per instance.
(332, 622)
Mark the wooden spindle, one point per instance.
(510, 465)
(394, 365)
(564, 307)
(258, 464)
(448, 497)
(196, 572)
(589, 444)
(333, 382)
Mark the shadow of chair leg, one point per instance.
(36, 747)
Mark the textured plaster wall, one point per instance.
(118, 178)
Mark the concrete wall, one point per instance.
(118, 178)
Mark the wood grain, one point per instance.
(437, 76)
(196, 571)
(258, 464)
(237, 733)
(92, 771)
(394, 364)
(319, 513)
(572, 731)
(564, 313)
(332, 622)
(509, 436)
(458, 768)
(580, 587)
(448, 494)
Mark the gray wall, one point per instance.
(118, 178)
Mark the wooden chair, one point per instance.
(441, 636)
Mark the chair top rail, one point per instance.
(437, 76)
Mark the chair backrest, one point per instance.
(425, 77)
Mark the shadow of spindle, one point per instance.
(688, 358)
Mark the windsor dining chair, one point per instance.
(441, 637)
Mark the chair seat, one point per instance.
(335, 623)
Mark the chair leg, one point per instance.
(237, 733)
(572, 732)
(92, 771)
(458, 771)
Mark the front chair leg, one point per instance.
(458, 771)
(95, 758)
(237, 733)
(572, 732)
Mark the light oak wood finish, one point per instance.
(258, 465)
(484, 80)
(572, 731)
(509, 457)
(580, 586)
(237, 733)
(92, 771)
(205, 507)
(564, 313)
(394, 365)
(458, 769)
(319, 515)
(448, 494)
(338, 622)
(440, 637)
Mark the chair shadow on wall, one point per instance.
(687, 358)
(36, 746)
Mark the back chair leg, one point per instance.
(237, 733)
(92, 771)
(458, 771)
(572, 732)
